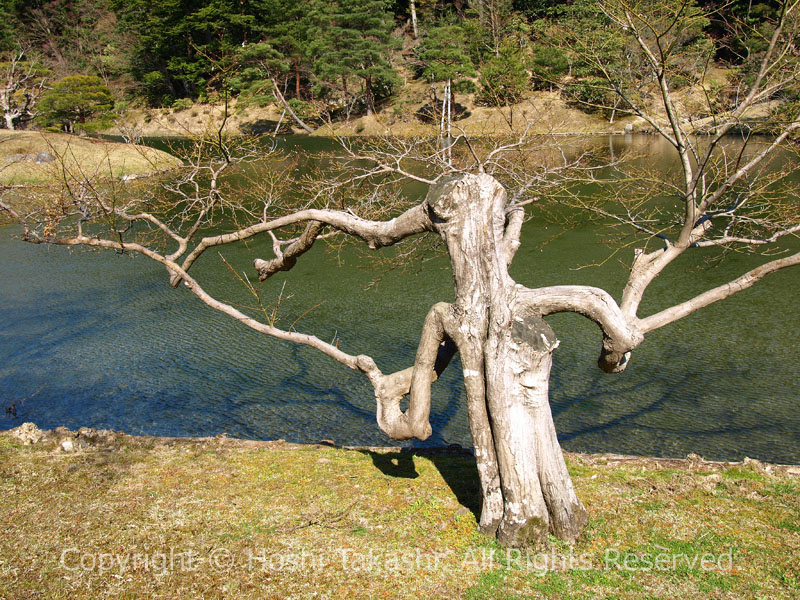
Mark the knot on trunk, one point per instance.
(267, 268)
(612, 358)
(533, 331)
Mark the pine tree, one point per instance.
(288, 35)
(503, 77)
(353, 38)
(444, 53)
(179, 42)
(75, 99)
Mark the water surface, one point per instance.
(100, 339)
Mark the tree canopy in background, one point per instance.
(444, 54)
(353, 39)
(347, 54)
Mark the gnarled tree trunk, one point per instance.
(506, 353)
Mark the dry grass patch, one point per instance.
(29, 157)
(126, 517)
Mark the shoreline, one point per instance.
(86, 438)
(538, 113)
(542, 112)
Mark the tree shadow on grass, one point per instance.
(456, 466)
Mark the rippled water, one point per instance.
(101, 340)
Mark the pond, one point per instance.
(100, 340)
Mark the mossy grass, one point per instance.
(219, 518)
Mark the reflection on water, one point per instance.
(101, 340)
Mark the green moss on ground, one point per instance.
(220, 518)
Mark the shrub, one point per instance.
(302, 109)
(465, 86)
(182, 103)
(76, 100)
(548, 66)
(592, 94)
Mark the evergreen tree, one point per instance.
(260, 66)
(75, 99)
(443, 53)
(179, 42)
(503, 77)
(9, 25)
(445, 58)
(288, 35)
(353, 38)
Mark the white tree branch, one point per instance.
(360, 362)
(375, 233)
(679, 311)
(620, 333)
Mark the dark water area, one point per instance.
(101, 340)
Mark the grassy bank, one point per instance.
(32, 157)
(124, 517)
(538, 112)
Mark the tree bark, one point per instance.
(368, 91)
(297, 78)
(506, 352)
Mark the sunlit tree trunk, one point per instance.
(297, 79)
(506, 352)
(370, 99)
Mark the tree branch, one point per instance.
(679, 311)
(433, 354)
(728, 239)
(361, 362)
(286, 259)
(14, 214)
(515, 216)
(620, 334)
(287, 106)
(375, 233)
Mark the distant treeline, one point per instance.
(350, 54)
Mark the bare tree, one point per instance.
(22, 82)
(495, 324)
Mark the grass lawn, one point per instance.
(126, 517)
(79, 156)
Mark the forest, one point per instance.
(70, 64)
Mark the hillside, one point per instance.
(547, 112)
(540, 112)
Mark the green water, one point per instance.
(101, 340)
